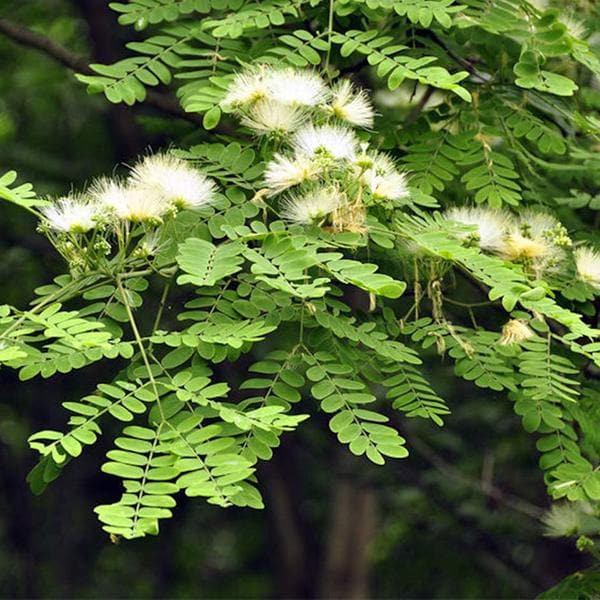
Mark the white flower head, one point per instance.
(351, 105)
(70, 215)
(270, 116)
(174, 180)
(539, 224)
(570, 519)
(515, 331)
(337, 142)
(151, 244)
(491, 225)
(143, 205)
(587, 262)
(538, 238)
(282, 172)
(291, 86)
(109, 195)
(246, 88)
(518, 246)
(383, 180)
(575, 27)
(529, 236)
(134, 204)
(313, 206)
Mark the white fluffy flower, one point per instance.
(518, 246)
(515, 331)
(537, 238)
(70, 215)
(539, 224)
(290, 86)
(352, 105)
(530, 237)
(338, 142)
(285, 86)
(246, 88)
(575, 27)
(173, 179)
(570, 519)
(142, 204)
(134, 204)
(491, 225)
(587, 262)
(312, 207)
(270, 116)
(384, 181)
(282, 172)
(151, 243)
(109, 195)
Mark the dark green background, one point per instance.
(450, 521)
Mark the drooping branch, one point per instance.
(31, 39)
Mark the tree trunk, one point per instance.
(351, 532)
(128, 137)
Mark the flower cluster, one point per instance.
(277, 102)
(157, 187)
(535, 239)
(326, 174)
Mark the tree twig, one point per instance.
(466, 64)
(31, 39)
(450, 472)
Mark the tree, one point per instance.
(332, 251)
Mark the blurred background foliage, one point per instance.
(460, 518)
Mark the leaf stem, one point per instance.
(329, 34)
(140, 344)
(161, 306)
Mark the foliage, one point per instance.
(486, 104)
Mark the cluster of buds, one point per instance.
(323, 174)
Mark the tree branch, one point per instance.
(486, 488)
(21, 35)
(466, 64)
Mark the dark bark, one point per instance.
(127, 135)
(312, 560)
(294, 554)
(351, 532)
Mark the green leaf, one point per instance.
(205, 263)
(121, 470)
(211, 118)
